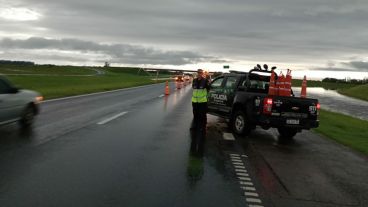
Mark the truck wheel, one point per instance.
(27, 117)
(287, 134)
(239, 123)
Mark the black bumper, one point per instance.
(276, 122)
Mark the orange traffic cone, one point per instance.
(167, 90)
(303, 93)
(288, 83)
(272, 85)
(281, 85)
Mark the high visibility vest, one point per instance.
(199, 91)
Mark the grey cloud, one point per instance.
(358, 65)
(306, 31)
(122, 53)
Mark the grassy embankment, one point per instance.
(344, 129)
(348, 89)
(61, 81)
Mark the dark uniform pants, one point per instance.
(200, 115)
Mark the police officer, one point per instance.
(199, 101)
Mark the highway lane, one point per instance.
(131, 148)
(140, 158)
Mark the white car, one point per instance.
(17, 104)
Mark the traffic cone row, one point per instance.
(281, 86)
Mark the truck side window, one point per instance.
(217, 83)
(4, 87)
(230, 82)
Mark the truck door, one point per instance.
(229, 92)
(216, 88)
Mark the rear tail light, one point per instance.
(267, 105)
(318, 106)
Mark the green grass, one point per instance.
(360, 92)
(60, 86)
(46, 69)
(344, 129)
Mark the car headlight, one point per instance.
(38, 99)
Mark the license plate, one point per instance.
(292, 121)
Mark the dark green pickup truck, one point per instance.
(242, 98)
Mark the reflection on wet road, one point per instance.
(333, 101)
(139, 158)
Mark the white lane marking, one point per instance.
(235, 159)
(238, 164)
(228, 136)
(245, 183)
(249, 188)
(251, 194)
(240, 170)
(97, 93)
(239, 167)
(244, 155)
(243, 178)
(255, 206)
(253, 200)
(234, 155)
(112, 118)
(162, 95)
(242, 174)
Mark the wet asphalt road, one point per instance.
(75, 156)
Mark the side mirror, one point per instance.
(13, 90)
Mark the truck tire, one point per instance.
(287, 134)
(240, 123)
(27, 117)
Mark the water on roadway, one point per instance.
(333, 101)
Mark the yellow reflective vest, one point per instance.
(199, 91)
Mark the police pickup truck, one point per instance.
(242, 98)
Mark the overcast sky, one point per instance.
(329, 36)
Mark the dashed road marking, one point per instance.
(111, 118)
(244, 178)
(241, 170)
(242, 174)
(245, 183)
(246, 188)
(162, 95)
(255, 206)
(253, 200)
(251, 194)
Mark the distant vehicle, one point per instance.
(242, 98)
(17, 104)
(179, 78)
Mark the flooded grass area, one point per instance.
(344, 129)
